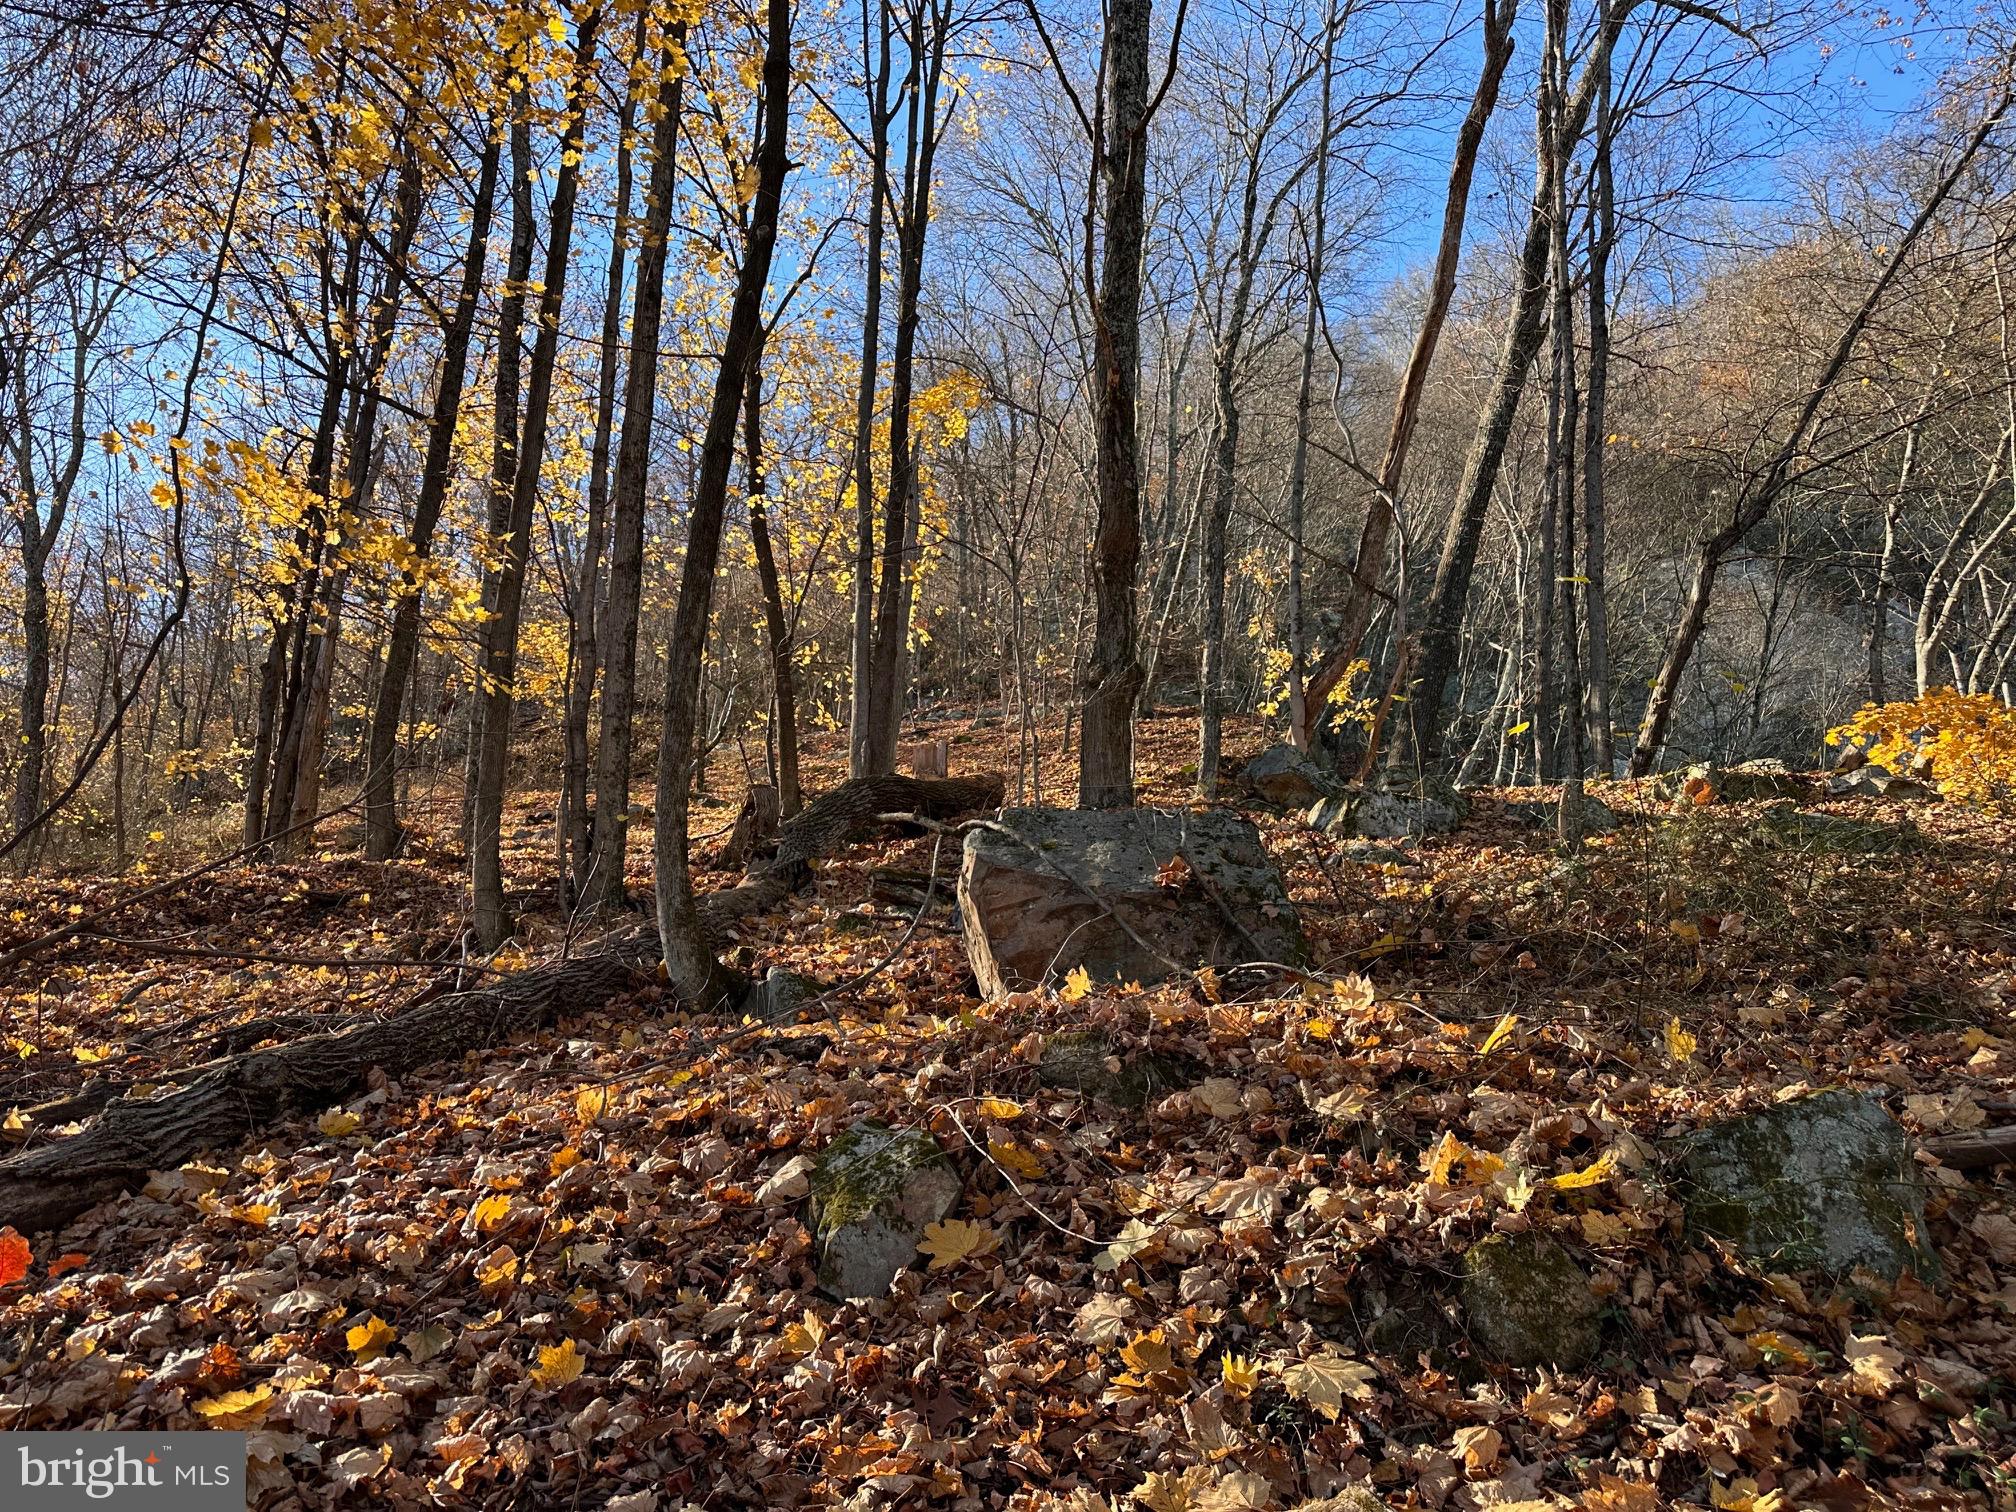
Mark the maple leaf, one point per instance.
(1000, 1108)
(1172, 1490)
(1603, 1228)
(1172, 873)
(954, 1239)
(336, 1124)
(1077, 985)
(1326, 1379)
(1478, 1447)
(804, 1338)
(1241, 1375)
(559, 1365)
(489, 1214)
(1134, 1239)
(370, 1338)
(1551, 1408)
(1016, 1159)
(1875, 1366)
(1680, 1045)
(236, 1410)
(1615, 1494)
(424, 1344)
(14, 1257)
(1103, 1319)
(1742, 1495)
(1594, 1174)
(1219, 1096)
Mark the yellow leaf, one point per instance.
(558, 1365)
(1479, 1447)
(1682, 929)
(1241, 1375)
(1594, 1174)
(371, 1338)
(1077, 986)
(1173, 1490)
(556, 28)
(490, 1213)
(1499, 1035)
(1015, 1159)
(954, 1239)
(1000, 1108)
(1325, 1380)
(1680, 1045)
(336, 1124)
(801, 1339)
(236, 1410)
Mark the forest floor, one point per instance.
(550, 1275)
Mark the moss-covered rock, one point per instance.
(1084, 1061)
(1820, 1183)
(1787, 828)
(874, 1191)
(1528, 1302)
(1597, 817)
(1746, 782)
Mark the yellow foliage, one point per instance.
(1968, 738)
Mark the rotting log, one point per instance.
(1975, 1151)
(47, 1185)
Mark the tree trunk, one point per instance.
(1443, 619)
(693, 972)
(1368, 564)
(571, 826)
(1758, 499)
(1112, 678)
(618, 636)
(382, 832)
(500, 643)
(861, 687)
(783, 674)
(1595, 437)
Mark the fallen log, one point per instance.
(45, 1186)
(1975, 1151)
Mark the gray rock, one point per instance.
(1281, 774)
(1598, 818)
(1746, 782)
(1528, 1302)
(1086, 1061)
(1391, 814)
(1063, 888)
(874, 1191)
(1878, 782)
(781, 996)
(1821, 1183)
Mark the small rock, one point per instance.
(1124, 893)
(1528, 1302)
(874, 1191)
(781, 997)
(1823, 1183)
(1085, 1061)
(1293, 779)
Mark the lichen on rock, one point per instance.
(873, 1192)
(1528, 1302)
(1824, 1183)
(1084, 1061)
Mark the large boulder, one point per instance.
(1824, 1183)
(1132, 895)
(1288, 777)
(874, 1191)
(1378, 813)
(1529, 1302)
(1868, 781)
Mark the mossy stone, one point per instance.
(1077, 1061)
(874, 1191)
(1823, 1183)
(1529, 1302)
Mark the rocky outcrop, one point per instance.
(1288, 777)
(1087, 1061)
(1128, 894)
(1432, 808)
(1747, 782)
(874, 1191)
(1822, 1183)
